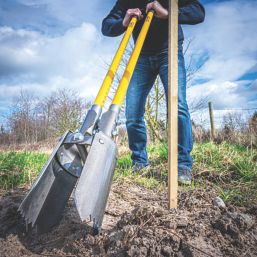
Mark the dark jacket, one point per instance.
(190, 12)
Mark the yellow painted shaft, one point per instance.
(106, 85)
(124, 83)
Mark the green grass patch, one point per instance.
(231, 168)
(19, 168)
(139, 179)
(158, 152)
(226, 158)
(124, 172)
(124, 162)
(148, 179)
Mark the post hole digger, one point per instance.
(84, 161)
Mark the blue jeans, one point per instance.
(146, 71)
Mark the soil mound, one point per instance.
(137, 223)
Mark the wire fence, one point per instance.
(238, 117)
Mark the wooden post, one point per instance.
(173, 105)
(212, 121)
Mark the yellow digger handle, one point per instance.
(106, 85)
(124, 83)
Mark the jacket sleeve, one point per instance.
(191, 12)
(112, 25)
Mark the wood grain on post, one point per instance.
(173, 105)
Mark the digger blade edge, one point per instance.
(94, 184)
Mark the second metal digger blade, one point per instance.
(94, 184)
(44, 204)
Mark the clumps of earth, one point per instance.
(137, 223)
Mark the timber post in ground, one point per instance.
(173, 106)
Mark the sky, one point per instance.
(50, 44)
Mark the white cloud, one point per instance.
(32, 52)
(220, 68)
(40, 64)
(228, 37)
(226, 97)
(71, 12)
(226, 94)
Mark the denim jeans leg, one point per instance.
(139, 88)
(185, 141)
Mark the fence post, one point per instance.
(173, 105)
(212, 121)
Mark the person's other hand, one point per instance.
(160, 11)
(131, 13)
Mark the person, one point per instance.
(153, 61)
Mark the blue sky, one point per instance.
(51, 44)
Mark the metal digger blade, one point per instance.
(44, 204)
(94, 184)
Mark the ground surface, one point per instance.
(137, 223)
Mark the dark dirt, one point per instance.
(137, 223)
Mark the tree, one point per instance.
(22, 117)
(33, 119)
(155, 114)
(61, 111)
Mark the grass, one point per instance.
(226, 158)
(124, 172)
(19, 168)
(231, 168)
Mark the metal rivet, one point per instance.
(101, 141)
(78, 137)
